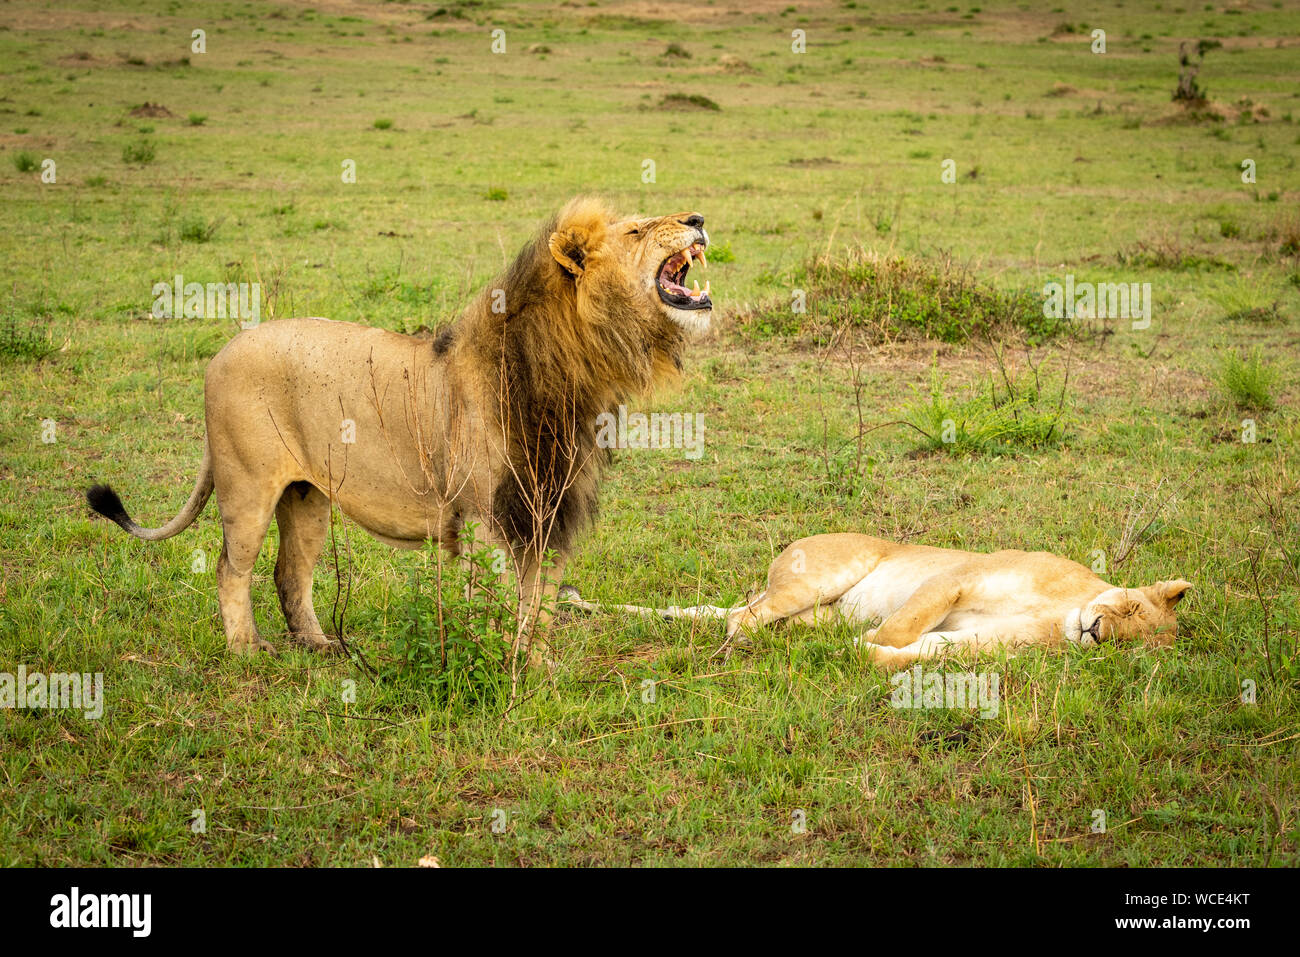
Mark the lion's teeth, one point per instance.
(704, 263)
(706, 288)
(696, 293)
(688, 254)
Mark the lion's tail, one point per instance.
(105, 501)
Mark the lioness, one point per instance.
(932, 600)
(492, 422)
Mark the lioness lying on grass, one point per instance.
(932, 600)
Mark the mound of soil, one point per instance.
(683, 101)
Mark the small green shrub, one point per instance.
(1245, 380)
(24, 342)
(25, 162)
(142, 152)
(721, 253)
(457, 628)
(197, 230)
(1002, 416)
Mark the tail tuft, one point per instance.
(104, 500)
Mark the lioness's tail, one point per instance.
(105, 501)
(568, 595)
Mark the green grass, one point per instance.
(1246, 298)
(825, 160)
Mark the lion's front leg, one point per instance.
(936, 644)
(534, 585)
(925, 609)
(537, 590)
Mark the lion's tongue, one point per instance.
(666, 277)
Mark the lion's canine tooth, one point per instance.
(706, 287)
(688, 254)
(704, 263)
(696, 293)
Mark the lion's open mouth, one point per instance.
(672, 280)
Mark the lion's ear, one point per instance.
(1171, 593)
(579, 232)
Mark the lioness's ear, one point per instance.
(579, 232)
(1170, 593)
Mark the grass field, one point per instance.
(1166, 459)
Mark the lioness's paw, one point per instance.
(882, 656)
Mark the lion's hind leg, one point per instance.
(303, 517)
(245, 517)
(804, 583)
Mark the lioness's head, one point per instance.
(646, 258)
(1127, 614)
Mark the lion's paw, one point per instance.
(253, 647)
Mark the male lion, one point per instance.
(933, 600)
(493, 422)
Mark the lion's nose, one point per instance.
(695, 219)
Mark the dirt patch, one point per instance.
(80, 58)
(152, 110)
(1245, 110)
(700, 13)
(730, 63)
